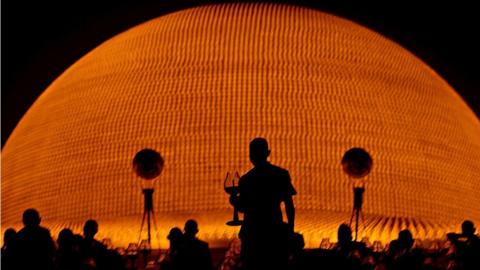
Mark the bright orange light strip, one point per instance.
(199, 84)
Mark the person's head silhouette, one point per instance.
(175, 234)
(405, 239)
(65, 238)
(344, 234)
(9, 237)
(175, 237)
(191, 228)
(90, 228)
(259, 151)
(468, 229)
(31, 218)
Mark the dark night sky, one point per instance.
(40, 39)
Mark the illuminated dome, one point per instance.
(199, 84)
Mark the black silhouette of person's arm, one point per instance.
(240, 200)
(288, 201)
(290, 211)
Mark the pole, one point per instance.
(357, 207)
(147, 209)
(357, 213)
(148, 226)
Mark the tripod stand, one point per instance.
(148, 212)
(357, 207)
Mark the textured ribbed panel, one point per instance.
(199, 84)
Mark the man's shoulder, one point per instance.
(475, 240)
(22, 233)
(201, 243)
(268, 167)
(90, 241)
(44, 232)
(278, 169)
(195, 244)
(99, 245)
(43, 229)
(33, 230)
(279, 173)
(247, 175)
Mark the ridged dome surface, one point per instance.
(197, 85)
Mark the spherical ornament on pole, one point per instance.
(148, 164)
(357, 162)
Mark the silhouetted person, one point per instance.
(297, 259)
(468, 229)
(35, 245)
(472, 243)
(171, 261)
(405, 239)
(401, 255)
(262, 190)
(348, 254)
(9, 249)
(467, 247)
(96, 254)
(194, 253)
(93, 251)
(175, 236)
(68, 255)
(344, 235)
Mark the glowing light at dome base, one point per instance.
(315, 226)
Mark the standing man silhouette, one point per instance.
(264, 235)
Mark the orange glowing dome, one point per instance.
(199, 84)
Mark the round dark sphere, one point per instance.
(148, 164)
(356, 162)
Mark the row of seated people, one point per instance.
(461, 253)
(33, 248)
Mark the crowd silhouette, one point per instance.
(33, 248)
(265, 240)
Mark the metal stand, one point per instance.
(147, 212)
(236, 220)
(357, 207)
